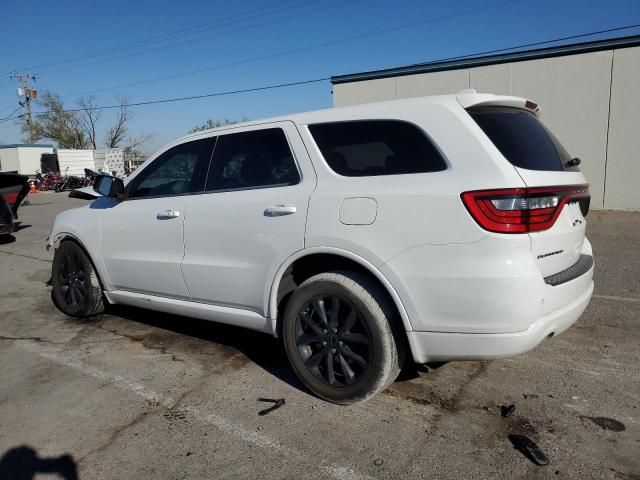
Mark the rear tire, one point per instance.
(76, 289)
(339, 338)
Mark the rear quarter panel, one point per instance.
(415, 209)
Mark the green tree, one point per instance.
(56, 124)
(211, 123)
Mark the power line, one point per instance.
(302, 82)
(295, 50)
(160, 37)
(10, 116)
(526, 45)
(198, 39)
(191, 97)
(151, 40)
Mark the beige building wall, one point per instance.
(436, 83)
(622, 187)
(588, 100)
(373, 91)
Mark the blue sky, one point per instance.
(177, 37)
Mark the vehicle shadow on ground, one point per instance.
(20, 226)
(6, 239)
(264, 350)
(23, 463)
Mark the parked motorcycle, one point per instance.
(47, 181)
(69, 182)
(89, 177)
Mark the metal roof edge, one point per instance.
(28, 145)
(479, 61)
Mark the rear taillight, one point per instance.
(520, 210)
(10, 198)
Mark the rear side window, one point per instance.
(376, 147)
(521, 138)
(260, 158)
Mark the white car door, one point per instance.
(251, 218)
(142, 236)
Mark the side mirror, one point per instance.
(109, 186)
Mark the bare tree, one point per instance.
(211, 123)
(133, 144)
(88, 118)
(117, 134)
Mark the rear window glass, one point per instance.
(376, 147)
(521, 138)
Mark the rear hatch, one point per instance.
(556, 198)
(13, 188)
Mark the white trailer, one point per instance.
(22, 158)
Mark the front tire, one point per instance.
(339, 339)
(76, 289)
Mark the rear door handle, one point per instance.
(167, 214)
(279, 210)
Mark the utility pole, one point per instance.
(28, 93)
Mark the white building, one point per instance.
(22, 158)
(588, 93)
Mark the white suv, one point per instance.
(441, 228)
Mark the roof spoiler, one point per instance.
(470, 98)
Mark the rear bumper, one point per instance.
(443, 346)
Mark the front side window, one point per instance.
(368, 148)
(260, 158)
(178, 171)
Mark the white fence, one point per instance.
(73, 162)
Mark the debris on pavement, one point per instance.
(529, 449)
(378, 462)
(507, 411)
(530, 395)
(607, 423)
(278, 403)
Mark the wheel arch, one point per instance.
(60, 237)
(340, 255)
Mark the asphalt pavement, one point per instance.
(137, 394)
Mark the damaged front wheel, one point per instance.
(76, 289)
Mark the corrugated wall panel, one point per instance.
(73, 162)
(623, 159)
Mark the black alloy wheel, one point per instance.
(333, 341)
(73, 280)
(76, 290)
(341, 338)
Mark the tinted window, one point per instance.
(177, 171)
(261, 158)
(376, 147)
(522, 138)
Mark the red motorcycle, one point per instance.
(48, 181)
